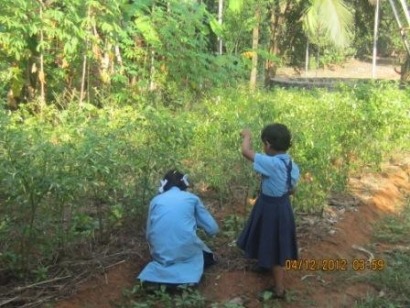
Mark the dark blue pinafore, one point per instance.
(270, 232)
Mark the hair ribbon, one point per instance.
(161, 187)
(185, 179)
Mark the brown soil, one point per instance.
(345, 228)
(340, 233)
(385, 69)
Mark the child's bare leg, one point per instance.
(278, 273)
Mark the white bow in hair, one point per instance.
(161, 187)
(185, 179)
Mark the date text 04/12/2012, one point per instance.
(330, 265)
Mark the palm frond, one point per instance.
(331, 18)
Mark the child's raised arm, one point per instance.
(247, 151)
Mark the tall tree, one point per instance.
(401, 13)
(255, 45)
(279, 10)
(323, 21)
(255, 21)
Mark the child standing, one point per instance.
(179, 256)
(270, 233)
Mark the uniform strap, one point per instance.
(289, 170)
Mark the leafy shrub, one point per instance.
(76, 174)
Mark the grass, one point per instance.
(394, 282)
(138, 297)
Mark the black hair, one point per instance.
(174, 178)
(278, 136)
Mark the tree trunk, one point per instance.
(405, 71)
(255, 45)
(41, 75)
(83, 77)
(375, 37)
(84, 70)
(220, 15)
(276, 19)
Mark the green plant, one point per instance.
(232, 224)
(76, 174)
(227, 305)
(393, 281)
(189, 298)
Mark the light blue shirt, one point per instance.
(176, 249)
(274, 173)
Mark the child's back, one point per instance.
(270, 233)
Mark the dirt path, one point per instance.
(341, 234)
(385, 69)
(338, 238)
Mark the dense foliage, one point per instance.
(77, 174)
(101, 97)
(84, 51)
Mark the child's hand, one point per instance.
(246, 132)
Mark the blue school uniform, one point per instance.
(270, 233)
(176, 249)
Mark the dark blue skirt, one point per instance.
(270, 233)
